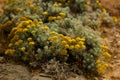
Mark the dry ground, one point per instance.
(111, 36)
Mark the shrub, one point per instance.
(43, 30)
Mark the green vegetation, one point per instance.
(63, 30)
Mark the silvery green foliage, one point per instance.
(77, 22)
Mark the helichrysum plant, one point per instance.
(41, 30)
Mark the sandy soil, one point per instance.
(111, 36)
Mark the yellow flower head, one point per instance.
(106, 54)
(100, 4)
(58, 17)
(64, 42)
(77, 46)
(105, 65)
(59, 4)
(40, 22)
(20, 41)
(10, 51)
(83, 47)
(66, 46)
(49, 38)
(67, 38)
(99, 65)
(100, 70)
(70, 40)
(80, 39)
(16, 36)
(104, 47)
(54, 37)
(104, 10)
(51, 18)
(80, 43)
(19, 30)
(62, 14)
(28, 26)
(23, 49)
(28, 3)
(88, 3)
(31, 43)
(98, 61)
(60, 35)
(115, 19)
(55, 5)
(45, 13)
(52, 32)
(73, 40)
(10, 45)
(25, 23)
(29, 39)
(46, 28)
(71, 47)
(25, 30)
(17, 43)
(7, 51)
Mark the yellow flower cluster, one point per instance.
(98, 3)
(57, 4)
(27, 22)
(107, 55)
(104, 47)
(51, 18)
(31, 42)
(101, 66)
(103, 59)
(104, 10)
(73, 44)
(115, 19)
(24, 18)
(68, 42)
(105, 51)
(10, 51)
(17, 43)
(60, 16)
(22, 27)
